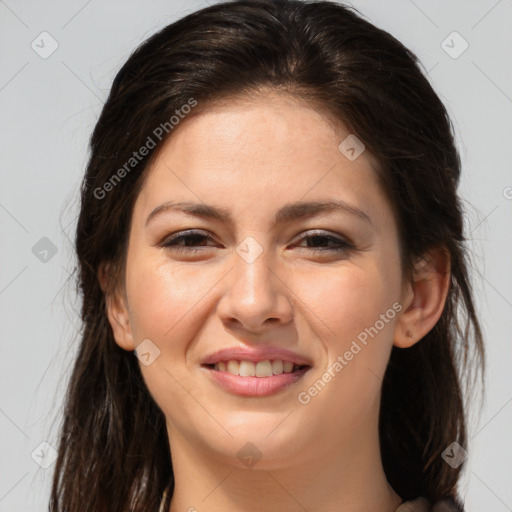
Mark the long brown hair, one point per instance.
(114, 453)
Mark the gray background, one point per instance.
(48, 108)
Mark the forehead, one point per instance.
(258, 152)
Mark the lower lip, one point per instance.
(255, 386)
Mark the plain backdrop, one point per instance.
(49, 104)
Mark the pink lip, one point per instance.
(260, 354)
(255, 386)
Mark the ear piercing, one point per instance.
(409, 334)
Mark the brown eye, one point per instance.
(321, 241)
(186, 241)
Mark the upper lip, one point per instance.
(255, 354)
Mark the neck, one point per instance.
(335, 477)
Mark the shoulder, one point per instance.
(423, 505)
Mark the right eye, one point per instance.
(186, 241)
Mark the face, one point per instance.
(283, 249)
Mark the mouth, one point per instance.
(255, 378)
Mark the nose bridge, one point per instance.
(252, 276)
(254, 292)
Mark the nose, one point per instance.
(255, 298)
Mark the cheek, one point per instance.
(353, 314)
(167, 300)
(169, 305)
(345, 308)
(346, 300)
(155, 300)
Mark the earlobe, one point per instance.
(116, 311)
(426, 298)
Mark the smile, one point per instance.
(255, 378)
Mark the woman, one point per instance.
(270, 223)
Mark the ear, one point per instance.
(116, 309)
(425, 297)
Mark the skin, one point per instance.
(252, 156)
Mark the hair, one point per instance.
(113, 439)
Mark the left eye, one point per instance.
(189, 238)
(190, 241)
(320, 238)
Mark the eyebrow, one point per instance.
(288, 213)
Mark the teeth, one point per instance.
(277, 367)
(287, 367)
(247, 369)
(265, 368)
(233, 367)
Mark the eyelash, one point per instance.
(170, 243)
